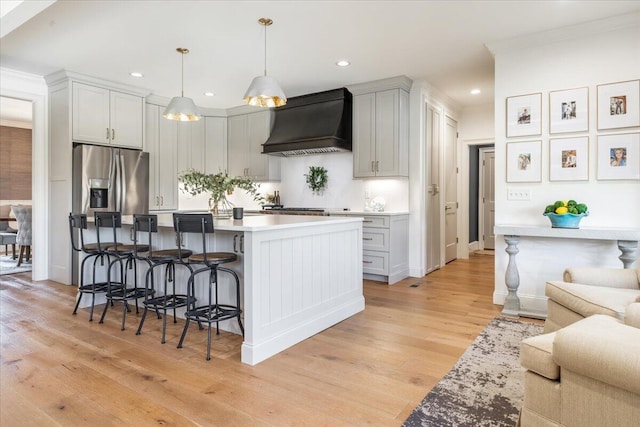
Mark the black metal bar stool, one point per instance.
(213, 311)
(96, 251)
(169, 300)
(123, 256)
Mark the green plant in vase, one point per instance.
(218, 186)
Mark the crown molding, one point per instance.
(572, 32)
(66, 75)
(398, 82)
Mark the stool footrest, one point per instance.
(129, 293)
(169, 301)
(214, 313)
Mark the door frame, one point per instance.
(481, 153)
(29, 87)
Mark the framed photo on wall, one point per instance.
(619, 156)
(523, 115)
(619, 105)
(569, 159)
(569, 110)
(524, 161)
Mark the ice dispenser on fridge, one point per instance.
(98, 193)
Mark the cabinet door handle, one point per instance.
(161, 200)
(242, 243)
(372, 169)
(377, 166)
(367, 220)
(235, 241)
(367, 262)
(367, 238)
(107, 133)
(113, 134)
(157, 201)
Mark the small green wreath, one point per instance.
(317, 178)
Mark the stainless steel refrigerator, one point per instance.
(110, 179)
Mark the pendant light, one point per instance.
(181, 108)
(265, 91)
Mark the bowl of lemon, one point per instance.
(566, 214)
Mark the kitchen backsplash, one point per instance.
(342, 190)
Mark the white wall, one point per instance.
(476, 127)
(583, 56)
(477, 122)
(342, 192)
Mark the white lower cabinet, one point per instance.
(385, 246)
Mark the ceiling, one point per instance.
(440, 42)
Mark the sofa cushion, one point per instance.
(601, 348)
(588, 300)
(535, 355)
(632, 315)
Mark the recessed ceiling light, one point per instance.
(343, 63)
(209, 94)
(136, 74)
(475, 91)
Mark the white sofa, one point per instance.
(588, 291)
(584, 370)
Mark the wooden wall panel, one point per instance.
(15, 163)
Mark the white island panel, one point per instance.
(299, 275)
(299, 282)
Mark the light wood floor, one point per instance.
(371, 369)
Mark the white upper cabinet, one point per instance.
(202, 145)
(215, 145)
(105, 116)
(162, 145)
(191, 142)
(381, 129)
(246, 134)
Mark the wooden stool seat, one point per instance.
(166, 255)
(213, 257)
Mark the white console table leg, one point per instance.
(628, 249)
(512, 279)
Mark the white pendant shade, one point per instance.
(265, 91)
(182, 109)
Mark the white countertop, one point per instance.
(258, 222)
(595, 233)
(363, 213)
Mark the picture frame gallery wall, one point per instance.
(618, 153)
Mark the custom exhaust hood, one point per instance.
(311, 124)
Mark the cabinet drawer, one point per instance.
(376, 221)
(376, 239)
(375, 262)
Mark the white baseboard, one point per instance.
(527, 302)
(474, 246)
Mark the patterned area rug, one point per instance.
(8, 265)
(485, 387)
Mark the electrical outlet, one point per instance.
(516, 193)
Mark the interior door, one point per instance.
(450, 189)
(488, 198)
(433, 189)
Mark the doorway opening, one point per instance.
(481, 185)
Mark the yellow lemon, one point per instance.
(562, 210)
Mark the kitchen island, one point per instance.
(299, 274)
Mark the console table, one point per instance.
(627, 239)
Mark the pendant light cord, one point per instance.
(182, 80)
(265, 50)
